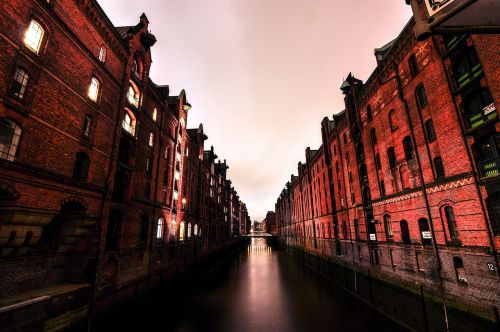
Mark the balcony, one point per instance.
(489, 168)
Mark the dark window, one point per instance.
(408, 147)
(429, 131)
(86, 125)
(10, 134)
(149, 166)
(425, 233)
(20, 82)
(421, 97)
(356, 229)
(378, 162)
(347, 159)
(466, 67)
(438, 166)
(81, 168)
(494, 212)
(344, 230)
(144, 229)
(382, 188)
(412, 64)
(369, 113)
(405, 232)
(393, 123)
(391, 155)
(147, 190)
(373, 136)
(113, 233)
(345, 138)
(165, 177)
(452, 223)
(388, 227)
(478, 108)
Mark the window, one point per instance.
(356, 229)
(86, 125)
(155, 114)
(113, 232)
(452, 224)
(420, 262)
(81, 168)
(408, 148)
(149, 166)
(479, 108)
(20, 82)
(167, 154)
(388, 227)
(382, 188)
(421, 97)
(494, 212)
(412, 64)
(391, 155)
(378, 162)
(429, 131)
(393, 123)
(181, 231)
(345, 138)
(151, 139)
(147, 190)
(438, 166)
(466, 67)
(172, 227)
(129, 122)
(405, 232)
(195, 232)
(347, 160)
(344, 230)
(159, 229)
(137, 68)
(34, 36)
(165, 177)
(10, 133)
(143, 234)
(189, 231)
(102, 54)
(93, 92)
(373, 137)
(458, 263)
(133, 95)
(425, 233)
(369, 113)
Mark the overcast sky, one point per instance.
(262, 74)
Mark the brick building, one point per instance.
(104, 192)
(405, 184)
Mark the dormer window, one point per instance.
(34, 36)
(102, 54)
(93, 89)
(133, 95)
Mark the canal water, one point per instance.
(263, 289)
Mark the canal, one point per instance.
(262, 289)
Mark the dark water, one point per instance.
(261, 290)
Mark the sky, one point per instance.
(262, 74)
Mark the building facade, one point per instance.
(405, 184)
(104, 192)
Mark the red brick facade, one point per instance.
(405, 184)
(104, 192)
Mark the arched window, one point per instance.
(172, 228)
(155, 114)
(412, 64)
(378, 162)
(129, 122)
(373, 136)
(421, 97)
(195, 232)
(393, 123)
(93, 92)
(87, 123)
(391, 155)
(347, 159)
(405, 232)
(102, 54)
(181, 231)
(159, 228)
(34, 36)
(425, 233)
(429, 131)
(452, 223)
(133, 94)
(438, 166)
(81, 167)
(151, 139)
(388, 227)
(408, 148)
(369, 113)
(189, 231)
(10, 133)
(382, 188)
(20, 83)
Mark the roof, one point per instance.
(386, 47)
(123, 31)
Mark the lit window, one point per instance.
(159, 229)
(93, 89)
(181, 231)
(151, 139)
(133, 95)
(20, 83)
(155, 114)
(10, 133)
(102, 54)
(195, 232)
(189, 231)
(33, 37)
(172, 229)
(129, 123)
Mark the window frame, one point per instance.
(31, 46)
